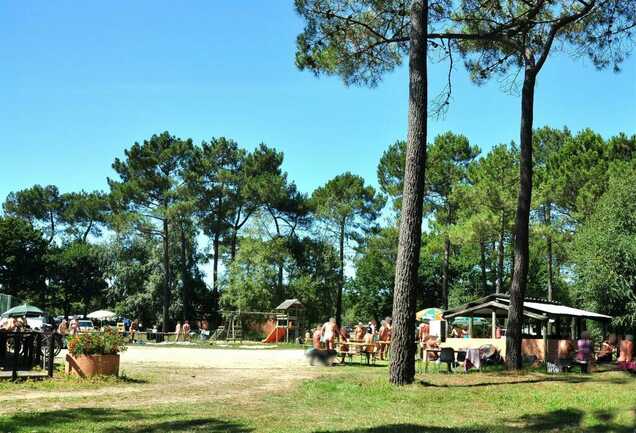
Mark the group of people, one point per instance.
(71, 328)
(583, 351)
(426, 340)
(182, 332)
(371, 337)
(13, 324)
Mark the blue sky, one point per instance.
(81, 81)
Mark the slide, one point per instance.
(278, 334)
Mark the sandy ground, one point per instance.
(175, 375)
(214, 358)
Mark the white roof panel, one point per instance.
(563, 310)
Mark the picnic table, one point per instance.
(368, 349)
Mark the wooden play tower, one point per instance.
(289, 317)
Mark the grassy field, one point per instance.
(340, 399)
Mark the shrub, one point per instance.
(107, 342)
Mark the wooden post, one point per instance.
(544, 330)
(50, 355)
(17, 342)
(493, 331)
(38, 348)
(3, 350)
(470, 326)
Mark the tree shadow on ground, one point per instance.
(564, 378)
(563, 421)
(114, 421)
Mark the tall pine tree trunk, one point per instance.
(281, 290)
(402, 369)
(215, 270)
(445, 261)
(185, 275)
(522, 221)
(280, 295)
(340, 274)
(500, 257)
(166, 268)
(482, 263)
(493, 264)
(548, 223)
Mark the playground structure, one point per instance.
(287, 321)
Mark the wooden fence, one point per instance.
(26, 351)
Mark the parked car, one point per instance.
(36, 323)
(86, 326)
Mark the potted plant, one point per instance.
(91, 354)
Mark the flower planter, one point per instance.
(92, 365)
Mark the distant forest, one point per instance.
(174, 206)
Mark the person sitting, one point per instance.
(626, 352)
(457, 332)
(432, 343)
(565, 354)
(10, 325)
(369, 343)
(608, 347)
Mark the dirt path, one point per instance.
(171, 375)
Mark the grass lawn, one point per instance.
(340, 399)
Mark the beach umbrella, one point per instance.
(465, 320)
(23, 310)
(101, 315)
(429, 314)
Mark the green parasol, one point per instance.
(23, 310)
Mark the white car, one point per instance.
(86, 326)
(35, 323)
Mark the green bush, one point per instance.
(107, 342)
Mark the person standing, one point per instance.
(358, 332)
(134, 326)
(317, 338)
(63, 328)
(385, 337)
(186, 331)
(177, 331)
(329, 330)
(74, 327)
(626, 350)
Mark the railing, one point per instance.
(22, 351)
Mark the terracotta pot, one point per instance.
(92, 365)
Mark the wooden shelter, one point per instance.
(545, 324)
